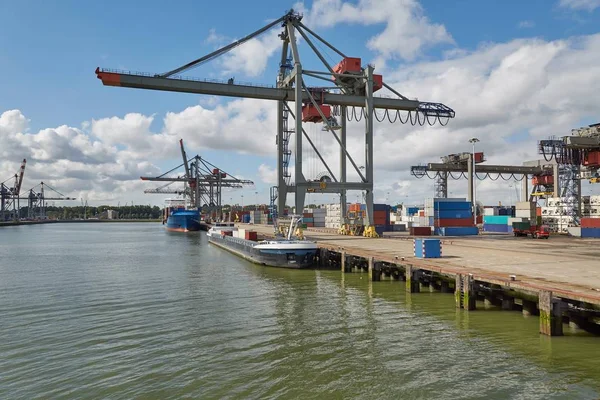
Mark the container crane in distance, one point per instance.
(36, 200)
(349, 95)
(9, 196)
(203, 183)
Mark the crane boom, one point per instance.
(19, 181)
(147, 81)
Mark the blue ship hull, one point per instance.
(184, 221)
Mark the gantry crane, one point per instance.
(36, 200)
(578, 157)
(203, 183)
(349, 95)
(462, 164)
(9, 196)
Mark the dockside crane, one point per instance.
(9, 196)
(203, 183)
(457, 166)
(578, 157)
(348, 95)
(36, 200)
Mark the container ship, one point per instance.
(284, 252)
(178, 218)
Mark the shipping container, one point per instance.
(348, 64)
(451, 205)
(427, 248)
(443, 214)
(590, 222)
(443, 222)
(590, 232)
(495, 219)
(251, 235)
(381, 207)
(497, 228)
(420, 231)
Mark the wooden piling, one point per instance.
(343, 261)
(508, 303)
(464, 292)
(550, 314)
(412, 281)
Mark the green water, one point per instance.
(126, 311)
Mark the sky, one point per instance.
(515, 72)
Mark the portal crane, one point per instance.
(36, 200)
(9, 196)
(578, 157)
(203, 183)
(465, 169)
(350, 87)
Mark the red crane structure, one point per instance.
(349, 95)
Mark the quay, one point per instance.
(556, 279)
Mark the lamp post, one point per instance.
(473, 141)
(242, 202)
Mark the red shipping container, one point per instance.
(251, 235)
(310, 224)
(421, 213)
(307, 215)
(592, 158)
(542, 180)
(590, 222)
(420, 231)
(479, 157)
(227, 233)
(480, 219)
(538, 211)
(453, 222)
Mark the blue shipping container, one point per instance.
(496, 219)
(590, 232)
(305, 219)
(428, 248)
(412, 210)
(497, 228)
(246, 218)
(443, 214)
(459, 231)
(451, 205)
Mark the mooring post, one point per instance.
(412, 281)
(470, 296)
(343, 261)
(465, 292)
(550, 314)
(374, 270)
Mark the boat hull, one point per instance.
(298, 257)
(183, 222)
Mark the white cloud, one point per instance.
(267, 174)
(407, 30)
(526, 24)
(588, 5)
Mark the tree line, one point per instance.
(87, 212)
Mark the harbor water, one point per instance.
(128, 310)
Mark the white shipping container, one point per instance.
(525, 205)
(511, 220)
(490, 211)
(525, 213)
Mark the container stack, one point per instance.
(319, 215)
(526, 210)
(498, 223)
(381, 217)
(450, 216)
(556, 214)
(333, 215)
(256, 217)
(590, 227)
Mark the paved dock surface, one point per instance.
(562, 264)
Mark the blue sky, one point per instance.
(50, 51)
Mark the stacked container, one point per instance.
(497, 223)
(333, 215)
(590, 227)
(450, 216)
